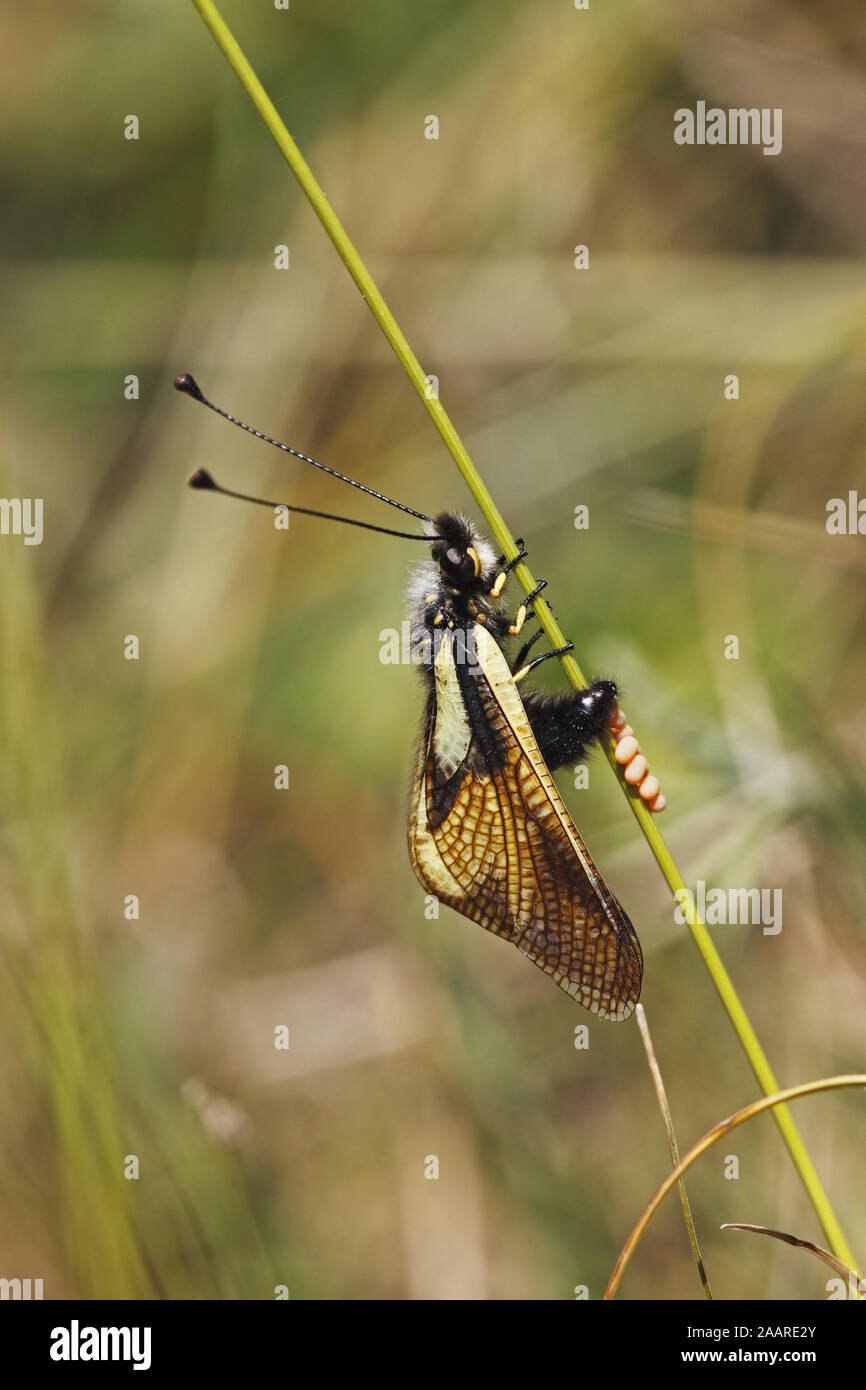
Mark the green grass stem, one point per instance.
(505, 542)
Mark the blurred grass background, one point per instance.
(412, 1037)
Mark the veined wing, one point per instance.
(490, 835)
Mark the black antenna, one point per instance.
(203, 480)
(190, 387)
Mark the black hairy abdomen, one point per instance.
(566, 723)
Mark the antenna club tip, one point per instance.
(201, 479)
(188, 385)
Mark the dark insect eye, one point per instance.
(459, 566)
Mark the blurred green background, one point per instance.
(155, 1037)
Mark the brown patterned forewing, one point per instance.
(492, 838)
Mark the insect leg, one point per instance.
(520, 619)
(522, 654)
(522, 553)
(506, 568)
(565, 723)
(557, 651)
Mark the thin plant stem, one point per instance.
(655, 1072)
(506, 543)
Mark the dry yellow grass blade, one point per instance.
(831, 1083)
(822, 1254)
